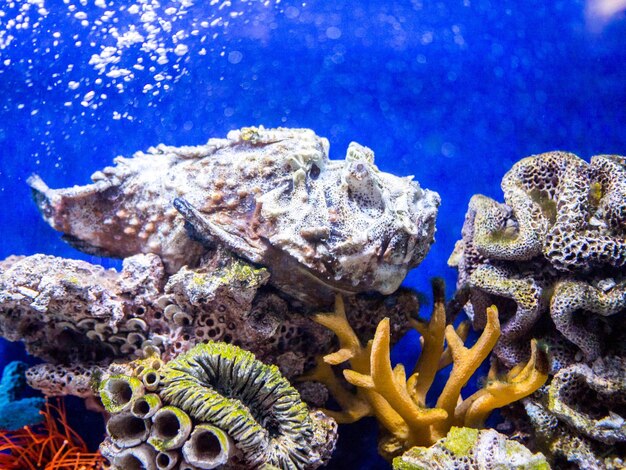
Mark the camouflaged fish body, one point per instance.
(269, 195)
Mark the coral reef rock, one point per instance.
(272, 196)
(471, 448)
(557, 246)
(578, 417)
(552, 260)
(80, 317)
(214, 406)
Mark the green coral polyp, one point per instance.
(243, 272)
(171, 427)
(238, 272)
(119, 391)
(225, 386)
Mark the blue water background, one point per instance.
(452, 92)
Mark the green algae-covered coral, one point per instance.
(215, 405)
(472, 449)
(226, 386)
(398, 402)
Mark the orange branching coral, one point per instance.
(398, 402)
(53, 445)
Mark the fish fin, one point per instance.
(41, 195)
(87, 247)
(201, 228)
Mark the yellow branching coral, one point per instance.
(398, 402)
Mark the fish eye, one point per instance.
(359, 171)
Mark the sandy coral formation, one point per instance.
(271, 196)
(471, 448)
(17, 410)
(213, 406)
(398, 402)
(81, 317)
(557, 246)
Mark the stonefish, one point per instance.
(271, 196)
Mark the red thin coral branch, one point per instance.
(52, 445)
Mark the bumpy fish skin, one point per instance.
(271, 196)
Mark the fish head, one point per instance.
(335, 225)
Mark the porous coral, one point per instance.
(398, 403)
(215, 405)
(564, 446)
(589, 398)
(570, 211)
(17, 411)
(577, 419)
(80, 317)
(552, 259)
(558, 245)
(471, 448)
(271, 196)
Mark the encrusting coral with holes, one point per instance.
(552, 259)
(398, 402)
(81, 317)
(557, 246)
